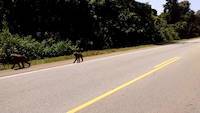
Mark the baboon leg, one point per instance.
(22, 64)
(19, 65)
(13, 66)
(75, 60)
(29, 64)
(81, 58)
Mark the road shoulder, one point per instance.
(11, 72)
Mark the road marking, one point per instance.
(89, 61)
(165, 62)
(158, 67)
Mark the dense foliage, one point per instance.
(182, 18)
(47, 28)
(32, 48)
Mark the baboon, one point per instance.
(2, 62)
(17, 59)
(78, 56)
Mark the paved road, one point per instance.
(171, 87)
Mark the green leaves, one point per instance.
(94, 24)
(33, 49)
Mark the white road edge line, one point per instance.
(69, 65)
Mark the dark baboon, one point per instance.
(2, 63)
(78, 56)
(17, 59)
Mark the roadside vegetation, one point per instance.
(85, 54)
(51, 30)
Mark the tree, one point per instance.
(171, 7)
(196, 28)
(180, 16)
(98, 24)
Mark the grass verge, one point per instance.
(85, 54)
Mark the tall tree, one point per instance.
(172, 9)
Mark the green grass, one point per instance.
(89, 53)
(85, 54)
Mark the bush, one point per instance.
(59, 48)
(165, 32)
(168, 34)
(32, 48)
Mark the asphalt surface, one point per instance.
(172, 88)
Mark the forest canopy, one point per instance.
(48, 28)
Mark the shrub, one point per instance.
(168, 34)
(165, 32)
(59, 48)
(32, 48)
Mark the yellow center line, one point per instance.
(163, 63)
(158, 67)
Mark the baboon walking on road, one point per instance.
(78, 56)
(17, 59)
